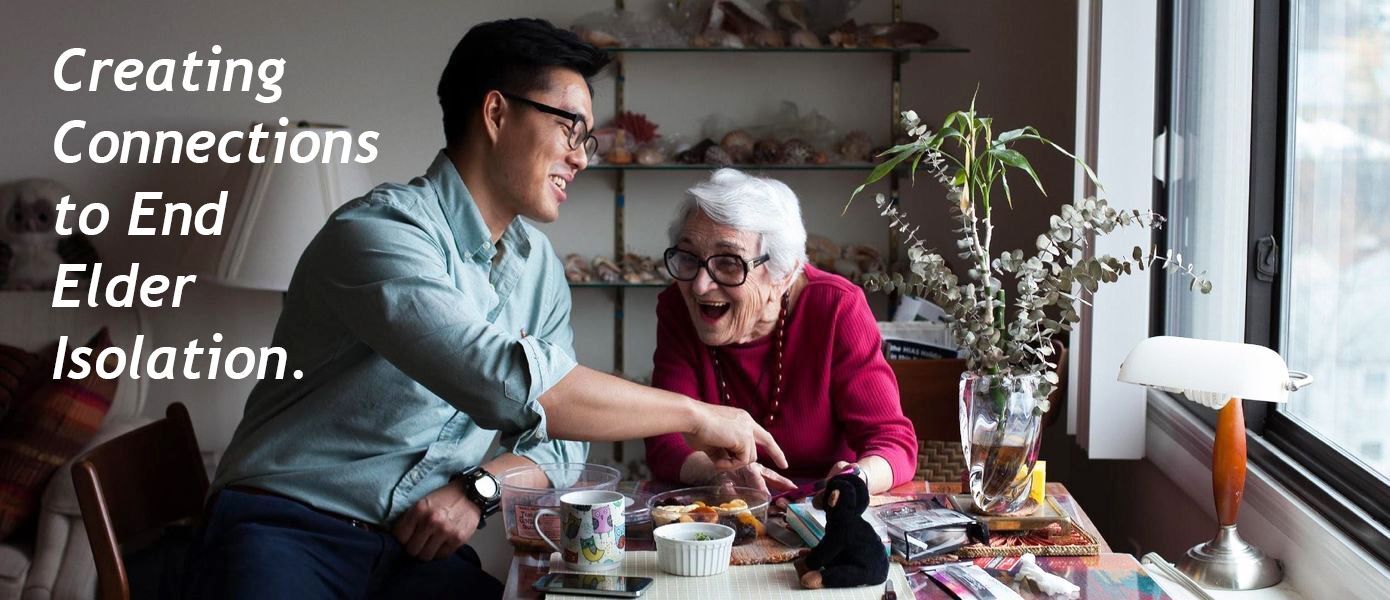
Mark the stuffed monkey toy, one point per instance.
(851, 553)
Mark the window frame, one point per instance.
(1332, 482)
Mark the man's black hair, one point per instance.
(510, 55)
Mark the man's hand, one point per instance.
(439, 524)
(731, 438)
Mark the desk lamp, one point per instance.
(1218, 375)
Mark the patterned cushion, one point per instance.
(20, 373)
(46, 431)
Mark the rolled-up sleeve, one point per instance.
(673, 370)
(556, 331)
(865, 392)
(385, 277)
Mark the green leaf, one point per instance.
(878, 173)
(959, 178)
(1015, 159)
(1013, 134)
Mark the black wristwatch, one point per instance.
(482, 489)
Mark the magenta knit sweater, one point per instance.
(840, 398)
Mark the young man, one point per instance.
(426, 317)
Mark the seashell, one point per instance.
(769, 38)
(739, 145)
(846, 268)
(767, 152)
(700, 40)
(577, 269)
(619, 155)
(856, 146)
(599, 39)
(649, 156)
(821, 251)
(696, 154)
(728, 40)
(791, 12)
(896, 35)
(820, 158)
(804, 39)
(796, 152)
(845, 36)
(637, 125)
(606, 270)
(715, 155)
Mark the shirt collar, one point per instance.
(471, 234)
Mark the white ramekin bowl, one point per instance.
(679, 552)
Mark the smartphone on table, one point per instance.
(593, 584)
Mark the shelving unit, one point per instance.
(898, 57)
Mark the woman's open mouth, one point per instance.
(713, 311)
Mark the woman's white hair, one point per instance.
(760, 205)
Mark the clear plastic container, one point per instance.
(523, 497)
(742, 509)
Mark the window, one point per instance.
(1338, 228)
(1278, 183)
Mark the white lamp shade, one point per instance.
(275, 209)
(1208, 367)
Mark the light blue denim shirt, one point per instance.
(416, 347)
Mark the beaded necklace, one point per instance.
(779, 341)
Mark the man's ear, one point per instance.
(494, 112)
(832, 499)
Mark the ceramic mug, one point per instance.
(592, 530)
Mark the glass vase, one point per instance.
(1000, 423)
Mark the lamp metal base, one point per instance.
(1229, 563)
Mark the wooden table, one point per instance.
(1108, 575)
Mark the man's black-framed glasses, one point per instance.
(578, 129)
(729, 270)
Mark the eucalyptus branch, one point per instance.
(1051, 284)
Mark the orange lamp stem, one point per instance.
(1228, 462)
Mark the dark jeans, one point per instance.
(254, 546)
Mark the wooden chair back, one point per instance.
(133, 486)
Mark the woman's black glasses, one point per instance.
(577, 130)
(729, 270)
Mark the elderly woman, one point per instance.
(749, 324)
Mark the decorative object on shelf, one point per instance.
(767, 151)
(273, 211)
(738, 144)
(649, 155)
(882, 35)
(639, 128)
(621, 28)
(1218, 375)
(577, 269)
(852, 262)
(1011, 361)
(31, 249)
(796, 152)
(619, 154)
(695, 155)
(630, 268)
(896, 35)
(856, 146)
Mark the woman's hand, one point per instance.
(761, 478)
(842, 467)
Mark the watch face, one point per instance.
(486, 486)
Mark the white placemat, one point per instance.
(766, 582)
